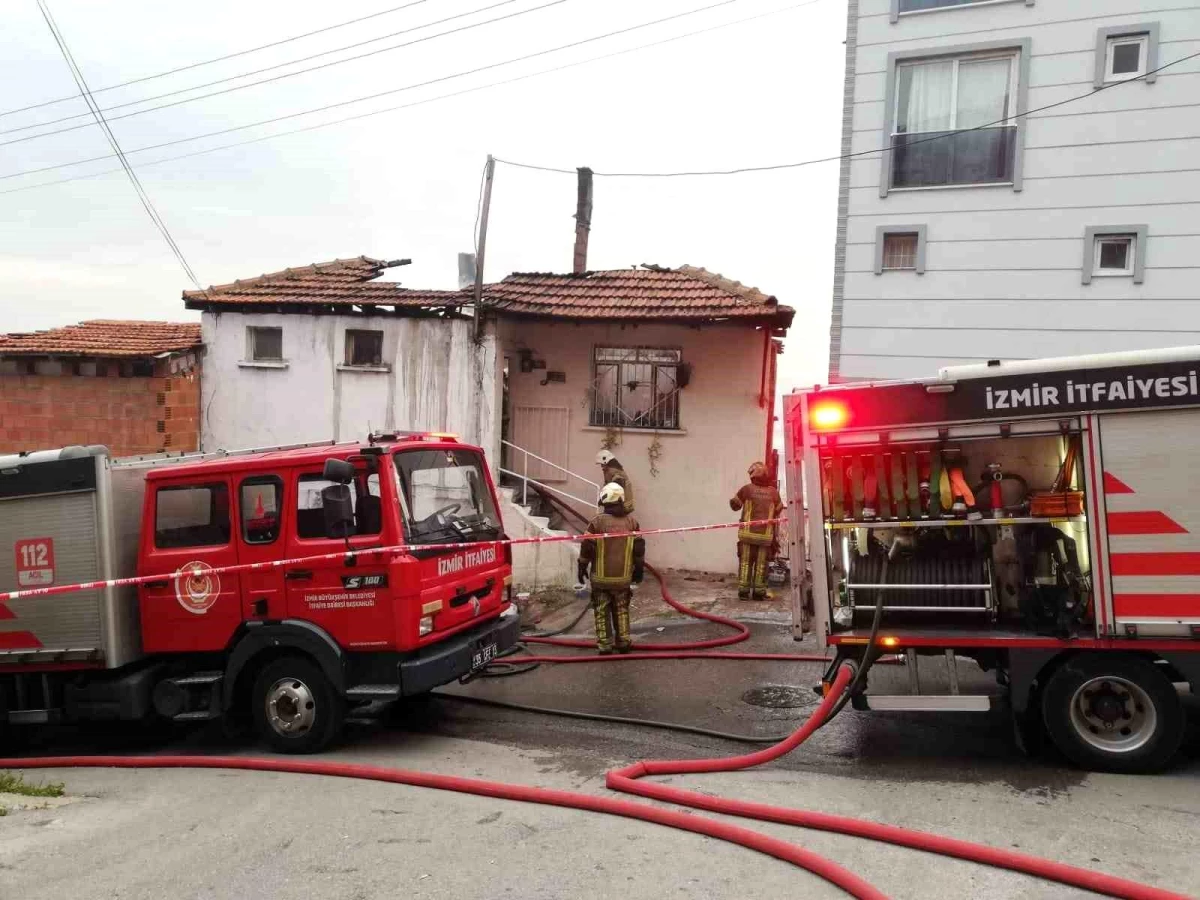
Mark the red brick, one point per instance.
(39, 412)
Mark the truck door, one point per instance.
(353, 603)
(188, 528)
(1147, 467)
(260, 539)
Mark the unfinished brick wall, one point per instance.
(128, 414)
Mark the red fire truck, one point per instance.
(290, 645)
(1038, 517)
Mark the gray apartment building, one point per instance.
(1041, 191)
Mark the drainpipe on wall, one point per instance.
(772, 363)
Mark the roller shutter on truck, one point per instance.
(1150, 465)
(56, 528)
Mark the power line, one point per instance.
(440, 97)
(275, 78)
(217, 59)
(386, 93)
(810, 162)
(77, 75)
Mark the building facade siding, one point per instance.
(1004, 274)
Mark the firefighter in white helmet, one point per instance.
(616, 563)
(613, 473)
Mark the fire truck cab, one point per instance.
(1035, 517)
(315, 617)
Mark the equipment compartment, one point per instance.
(949, 527)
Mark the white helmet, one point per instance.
(612, 494)
(604, 457)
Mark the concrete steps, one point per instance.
(536, 566)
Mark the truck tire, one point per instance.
(295, 708)
(1113, 712)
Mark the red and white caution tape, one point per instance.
(201, 571)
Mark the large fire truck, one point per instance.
(328, 621)
(1037, 517)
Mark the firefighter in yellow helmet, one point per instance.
(759, 500)
(615, 563)
(613, 473)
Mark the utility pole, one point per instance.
(583, 219)
(488, 174)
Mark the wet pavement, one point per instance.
(218, 835)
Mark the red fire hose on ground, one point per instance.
(630, 780)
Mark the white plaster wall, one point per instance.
(1003, 267)
(702, 466)
(434, 379)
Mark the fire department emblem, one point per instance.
(197, 587)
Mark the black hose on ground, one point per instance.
(619, 720)
(499, 668)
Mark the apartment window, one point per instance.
(1115, 252)
(636, 387)
(1114, 255)
(264, 344)
(952, 122)
(1124, 52)
(919, 6)
(364, 348)
(900, 248)
(1126, 58)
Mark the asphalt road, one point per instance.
(211, 834)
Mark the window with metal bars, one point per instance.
(636, 387)
(900, 251)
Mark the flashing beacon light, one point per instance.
(827, 415)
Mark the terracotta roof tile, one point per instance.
(340, 282)
(105, 337)
(645, 293)
(650, 292)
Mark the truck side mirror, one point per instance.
(339, 471)
(338, 508)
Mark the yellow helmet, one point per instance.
(604, 457)
(612, 494)
(758, 470)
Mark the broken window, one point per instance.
(364, 348)
(636, 387)
(264, 344)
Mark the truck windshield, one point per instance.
(445, 497)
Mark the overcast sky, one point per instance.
(405, 183)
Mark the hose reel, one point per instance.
(917, 583)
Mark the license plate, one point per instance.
(482, 657)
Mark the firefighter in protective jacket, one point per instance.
(759, 500)
(613, 473)
(616, 563)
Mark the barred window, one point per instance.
(636, 387)
(900, 251)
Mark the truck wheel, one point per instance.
(1111, 712)
(296, 709)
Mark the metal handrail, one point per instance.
(529, 453)
(528, 481)
(525, 479)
